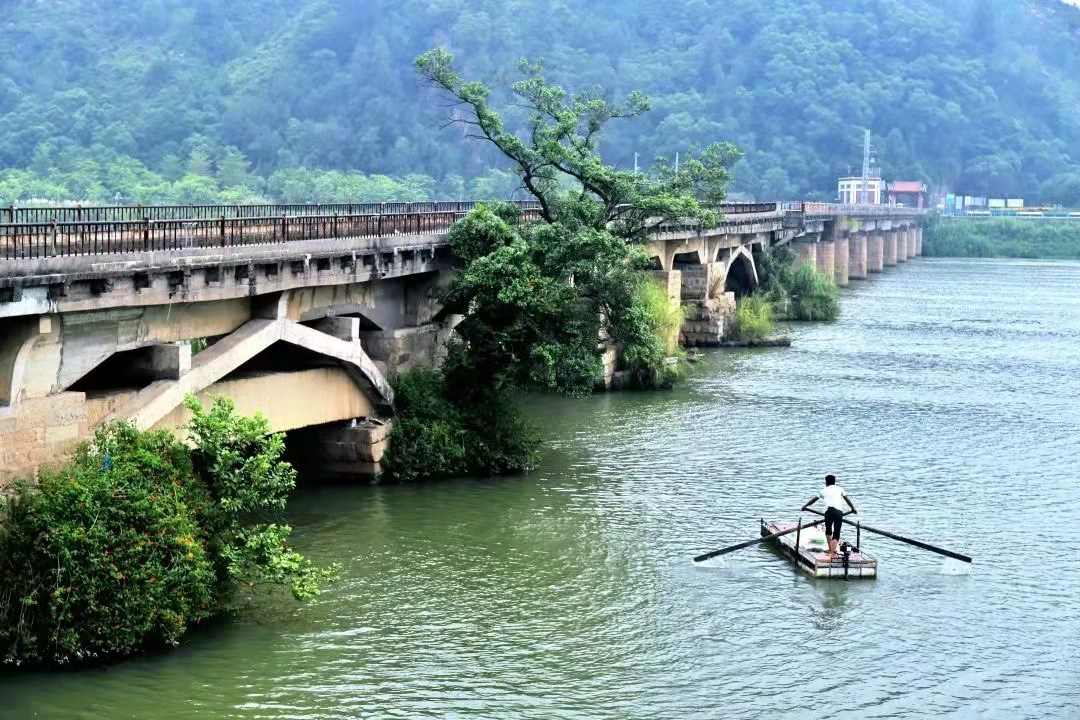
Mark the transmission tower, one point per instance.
(864, 196)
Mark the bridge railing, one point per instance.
(123, 213)
(132, 213)
(50, 239)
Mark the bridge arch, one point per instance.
(740, 274)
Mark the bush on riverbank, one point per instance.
(797, 293)
(1001, 237)
(139, 538)
(443, 430)
(753, 319)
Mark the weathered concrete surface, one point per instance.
(197, 275)
(285, 399)
(901, 245)
(890, 249)
(352, 450)
(918, 241)
(875, 253)
(912, 244)
(842, 261)
(826, 258)
(857, 257)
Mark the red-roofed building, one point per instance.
(909, 193)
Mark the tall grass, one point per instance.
(1002, 237)
(797, 293)
(753, 319)
(665, 317)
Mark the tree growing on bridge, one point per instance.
(537, 297)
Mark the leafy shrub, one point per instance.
(797, 293)
(445, 429)
(240, 463)
(105, 557)
(753, 319)
(138, 538)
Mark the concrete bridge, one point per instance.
(307, 310)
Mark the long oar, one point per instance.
(755, 541)
(901, 538)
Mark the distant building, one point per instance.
(909, 193)
(850, 190)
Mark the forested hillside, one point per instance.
(199, 100)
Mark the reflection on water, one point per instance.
(945, 401)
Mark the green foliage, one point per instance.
(1001, 237)
(441, 433)
(538, 297)
(813, 295)
(240, 462)
(139, 538)
(796, 293)
(753, 318)
(977, 95)
(107, 556)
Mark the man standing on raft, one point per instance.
(834, 514)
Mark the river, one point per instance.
(947, 400)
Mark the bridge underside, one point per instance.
(303, 358)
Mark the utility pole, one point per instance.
(635, 163)
(676, 162)
(864, 196)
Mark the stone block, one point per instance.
(61, 434)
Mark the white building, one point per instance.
(850, 190)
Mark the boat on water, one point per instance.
(808, 549)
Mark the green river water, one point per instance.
(947, 400)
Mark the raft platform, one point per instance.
(808, 547)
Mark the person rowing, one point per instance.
(834, 497)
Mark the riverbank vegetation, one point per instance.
(796, 292)
(140, 538)
(216, 99)
(1001, 238)
(537, 297)
(753, 319)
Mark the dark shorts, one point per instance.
(833, 520)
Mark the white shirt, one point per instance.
(833, 495)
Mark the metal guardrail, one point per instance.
(50, 239)
(126, 213)
(114, 229)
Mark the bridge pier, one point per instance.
(901, 246)
(805, 252)
(875, 252)
(826, 258)
(912, 250)
(842, 260)
(889, 249)
(857, 257)
(918, 241)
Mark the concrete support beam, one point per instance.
(889, 252)
(875, 252)
(805, 253)
(857, 257)
(918, 241)
(901, 245)
(166, 362)
(842, 262)
(826, 258)
(912, 249)
(343, 328)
